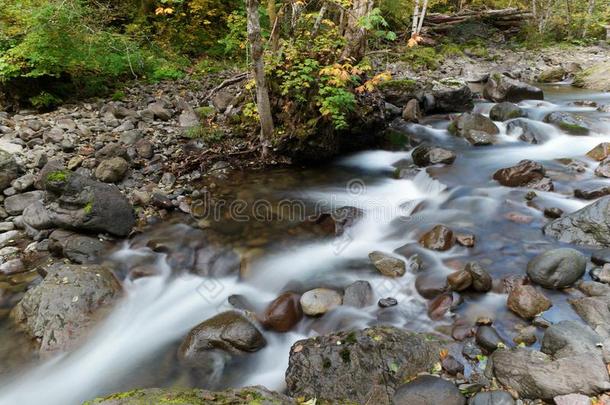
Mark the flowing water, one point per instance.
(136, 345)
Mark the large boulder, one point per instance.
(15, 204)
(425, 155)
(80, 203)
(533, 374)
(237, 396)
(568, 338)
(65, 305)
(367, 365)
(505, 111)
(587, 226)
(475, 128)
(448, 97)
(76, 247)
(501, 88)
(597, 77)
(557, 268)
(9, 170)
(427, 389)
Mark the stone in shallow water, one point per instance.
(501, 88)
(387, 302)
(459, 280)
(600, 152)
(570, 123)
(438, 238)
(319, 301)
(388, 265)
(475, 128)
(557, 268)
(603, 170)
(587, 226)
(481, 280)
(425, 155)
(591, 190)
(283, 313)
(426, 390)
(488, 338)
(359, 294)
(527, 302)
(505, 111)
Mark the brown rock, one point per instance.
(481, 280)
(600, 152)
(283, 313)
(438, 307)
(603, 170)
(466, 240)
(460, 280)
(430, 285)
(412, 112)
(527, 302)
(523, 174)
(439, 238)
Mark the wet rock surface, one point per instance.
(367, 362)
(475, 128)
(558, 268)
(501, 88)
(428, 390)
(587, 226)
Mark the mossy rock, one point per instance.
(248, 396)
(596, 77)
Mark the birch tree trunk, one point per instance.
(262, 92)
(588, 17)
(421, 17)
(415, 18)
(356, 35)
(318, 23)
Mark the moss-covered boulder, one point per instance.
(247, 396)
(502, 88)
(596, 77)
(570, 123)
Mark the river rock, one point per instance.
(367, 363)
(283, 313)
(155, 396)
(359, 294)
(231, 332)
(112, 170)
(552, 74)
(438, 238)
(425, 155)
(527, 130)
(319, 301)
(526, 173)
(15, 204)
(492, 398)
(533, 374)
(587, 226)
(78, 202)
(430, 285)
(337, 221)
(481, 280)
(600, 152)
(439, 306)
(568, 338)
(159, 111)
(488, 338)
(388, 265)
(592, 190)
(451, 365)
(412, 112)
(9, 170)
(501, 88)
(459, 280)
(387, 302)
(603, 169)
(426, 390)
(37, 216)
(475, 128)
(66, 304)
(76, 247)
(527, 302)
(505, 111)
(568, 122)
(557, 268)
(448, 96)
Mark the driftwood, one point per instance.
(232, 80)
(501, 19)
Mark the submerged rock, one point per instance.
(283, 313)
(501, 88)
(481, 280)
(66, 304)
(358, 366)
(438, 238)
(488, 338)
(557, 268)
(587, 226)
(359, 294)
(319, 301)
(528, 131)
(426, 390)
(425, 155)
(388, 265)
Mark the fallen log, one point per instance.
(503, 19)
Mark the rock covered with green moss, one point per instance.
(236, 396)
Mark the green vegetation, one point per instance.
(59, 176)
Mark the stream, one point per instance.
(136, 345)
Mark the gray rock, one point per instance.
(412, 112)
(66, 304)
(15, 205)
(568, 122)
(112, 170)
(9, 238)
(595, 311)
(23, 183)
(112, 150)
(426, 390)
(534, 375)
(388, 265)
(445, 98)
(37, 216)
(557, 268)
(78, 248)
(475, 128)
(9, 170)
(492, 398)
(78, 202)
(368, 365)
(319, 301)
(505, 111)
(425, 155)
(6, 226)
(231, 332)
(528, 131)
(159, 111)
(481, 280)
(53, 135)
(359, 294)
(572, 399)
(501, 88)
(587, 226)
(568, 338)
(488, 338)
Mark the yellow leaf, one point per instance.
(159, 11)
(168, 10)
(412, 42)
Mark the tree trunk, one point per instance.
(415, 18)
(271, 10)
(421, 17)
(262, 92)
(355, 35)
(319, 19)
(588, 17)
